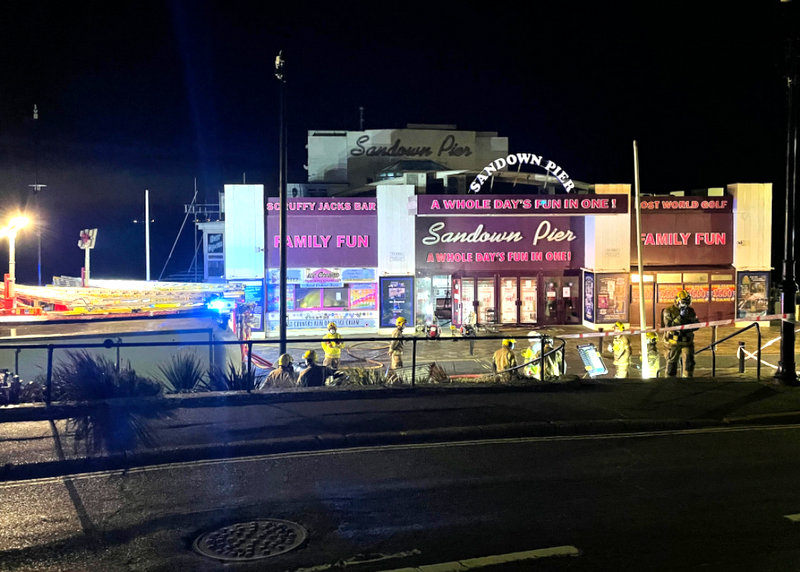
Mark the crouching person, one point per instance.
(282, 376)
(314, 375)
(504, 361)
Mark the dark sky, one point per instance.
(136, 95)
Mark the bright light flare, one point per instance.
(15, 224)
(18, 222)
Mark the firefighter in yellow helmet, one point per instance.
(653, 358)
(396, 345)
(332, 345)
(282, 376)
(621, 348)
(504, 360)
(314, 375)
(680, 342)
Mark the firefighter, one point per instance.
(314, 375)
(504, 360)
(680, 342)
(332, 345)
(653, 358)
(396, 345)
(531, 368)
(282, 376)
(621, 348)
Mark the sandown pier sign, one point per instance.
(519, 159)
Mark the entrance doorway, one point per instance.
(560, 300)
(518, 300)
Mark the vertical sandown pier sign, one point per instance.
(520, 159)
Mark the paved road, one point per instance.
(707, 499)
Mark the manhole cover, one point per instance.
(251, 540)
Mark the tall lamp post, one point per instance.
(36, 187)
(786, 372)
(10, 231)
(280, 73)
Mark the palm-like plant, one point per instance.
(232, 378)
(113, 424)
(183, 373)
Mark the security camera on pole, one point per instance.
(86, 242)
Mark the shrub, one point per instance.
(232, 378)
(113, 424)
(183, 373)
(365, 376)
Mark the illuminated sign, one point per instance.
(486, 243)
(433, 205)
(684, 230)
(520, 159)
(706, 204)
(348, 237)
(448, 147)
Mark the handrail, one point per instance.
(713, 347)
(110, 343)
(541, 358)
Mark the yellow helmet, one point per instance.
(683, 297)
(310, 356)
(332, 325)
(401, 321)
(651, 337)
(508, 342)
(285, 360)
(619, 326)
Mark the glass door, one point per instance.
(467, 300)
(487, 312)
(508, 300)
(553, 300)
(527, 297)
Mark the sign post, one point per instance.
(646, 373)
(86, 243)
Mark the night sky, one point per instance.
(155, 95)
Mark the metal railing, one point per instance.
(246, 347)
(740, 352)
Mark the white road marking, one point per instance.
(400, 447)
(792, 517)
(474, 563)
(355, 561)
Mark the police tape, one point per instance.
(683, 327)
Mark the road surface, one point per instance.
(706, 499)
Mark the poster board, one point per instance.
(592, 360)
(397, 299)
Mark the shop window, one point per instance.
(695, 277)
(356, 297)
(334, 297)
(216, 268)
(669, 277)
(307, 298)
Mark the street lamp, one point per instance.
(280, 74)
(10, 231)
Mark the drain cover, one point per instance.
(251, 540)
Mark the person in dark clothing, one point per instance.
(314, 375)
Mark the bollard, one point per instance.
(740, 353)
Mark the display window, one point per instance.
(348, 297)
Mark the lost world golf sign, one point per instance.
(520, 159)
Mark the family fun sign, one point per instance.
(519, 159)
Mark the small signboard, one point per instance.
(87, 238)
(592, 360)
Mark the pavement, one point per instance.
(38, 441)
